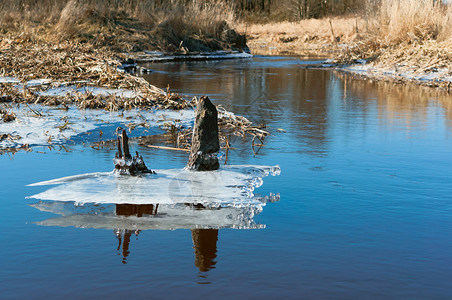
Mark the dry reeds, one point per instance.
(400, 21)
(303, 35)
(123, 25)
(78, 65)
(408, 36)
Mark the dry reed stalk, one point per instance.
(121, 25)
(71, 63)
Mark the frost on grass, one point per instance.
(226, 197)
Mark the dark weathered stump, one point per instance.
(205, 142)
(125, 164)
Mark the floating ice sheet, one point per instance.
(232, 186)
(96, 91)
(152, 56)
(57, 126)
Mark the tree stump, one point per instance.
(125, 164)
(205, 141)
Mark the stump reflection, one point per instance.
(205, 245)
(204, 240)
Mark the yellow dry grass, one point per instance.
(312, 36)
(407, 35)
(124, 25)
(399, 21)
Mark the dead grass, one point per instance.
(123, 25)
(311, 34)
(412, 36)
(406, 31)
(72, 63)
(399, 21)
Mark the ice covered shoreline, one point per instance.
(56, 126)
(432, 77)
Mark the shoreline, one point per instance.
(386, 69)
(357, 47)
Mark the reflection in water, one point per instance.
(310, 103)
(128, 220)
(407, 104)
(134, 209)
(204, 240)
(205, 244)
(123, 235)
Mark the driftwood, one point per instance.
(168, 148)
(125, 164)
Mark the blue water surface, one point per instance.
(365, 206)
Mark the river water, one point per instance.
(364, 210)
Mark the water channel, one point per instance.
(364, 210)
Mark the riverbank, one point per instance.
(76, 55)
(96, 43)
(48, 90)
(400, 41)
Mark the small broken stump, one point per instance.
(125, 164)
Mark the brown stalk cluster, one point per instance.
(78, 65)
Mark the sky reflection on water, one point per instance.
(364, 212)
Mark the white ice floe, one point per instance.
(161, 57)
(231, 186)
(43, 125)
(161, 201)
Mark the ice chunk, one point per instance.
(232, 186)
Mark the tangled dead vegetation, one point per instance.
(34, 69)
(76, 65)
(229, 125)
(428, 63)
